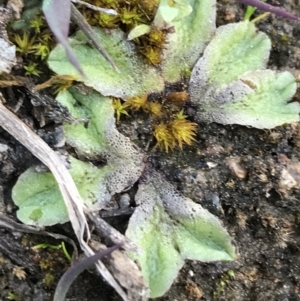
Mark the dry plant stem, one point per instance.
(72, 199)
(96, 8)
(8, 223)
(88, 31)
(116, 212)
(114, 235)
(260, 17)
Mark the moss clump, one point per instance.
(170, 125)
(130, 15)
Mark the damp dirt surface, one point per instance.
(249, 178)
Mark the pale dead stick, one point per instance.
(91, 35)
(111, 12)
(45, 154)
(72, 199)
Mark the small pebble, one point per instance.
(124, 201)
(3, 148)
(193, 291)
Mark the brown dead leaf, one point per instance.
(19, 273)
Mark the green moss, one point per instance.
(48, 279)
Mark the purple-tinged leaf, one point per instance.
(58, 15)
(270, 8)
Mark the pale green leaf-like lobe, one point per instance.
(40, 201)
(135, 77)
(171, 228)
(90, 140)
(258, 98)
(169, 12)
(38, 196)
(235, 49)
(192, 31)
(138, 31)
(101, 138)
(227, 88)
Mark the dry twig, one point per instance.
(88, 31)
(96, 8)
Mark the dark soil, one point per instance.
(240, 174)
